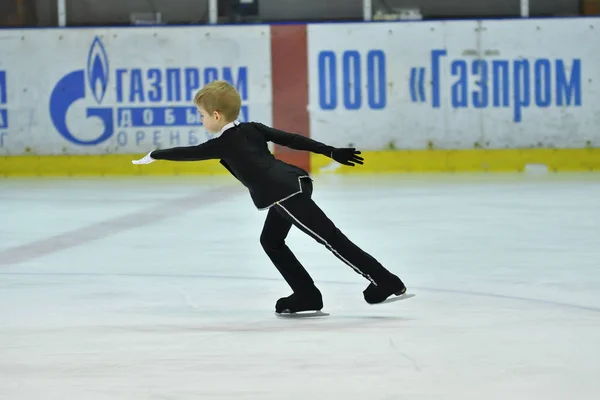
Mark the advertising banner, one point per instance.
(456, 85)
(126, 90)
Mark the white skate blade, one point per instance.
(302, 314)
(396, 298)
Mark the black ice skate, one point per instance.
(301, 305)
(384, 289)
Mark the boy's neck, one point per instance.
(228, 125)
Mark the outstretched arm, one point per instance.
(293, 140)
(211, 149)
(346, 156)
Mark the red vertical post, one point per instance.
(289, 57)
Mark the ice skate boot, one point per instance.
(384, 289)
(305, 304)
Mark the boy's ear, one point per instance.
(217, 115)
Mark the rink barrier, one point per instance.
(289, 83)
(396, 161)
(101, 165)
(474, 160)
(297, 80)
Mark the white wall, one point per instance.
(451, 85)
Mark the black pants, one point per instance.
(302, 212)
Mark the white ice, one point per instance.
(157, 288)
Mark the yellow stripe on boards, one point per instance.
(102, 165)
(475, 160)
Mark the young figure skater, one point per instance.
(284, 190)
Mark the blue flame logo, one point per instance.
(97, 70)
(72, 88)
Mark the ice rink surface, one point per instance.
(157, 288)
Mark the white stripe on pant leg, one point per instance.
(334, 251)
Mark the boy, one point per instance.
(284, 190)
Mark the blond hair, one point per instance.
(219, 96)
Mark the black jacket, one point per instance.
(243, 150)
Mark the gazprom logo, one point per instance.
(133, 104)
(72, 88)
(97, 70)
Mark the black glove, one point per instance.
(347, 156)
